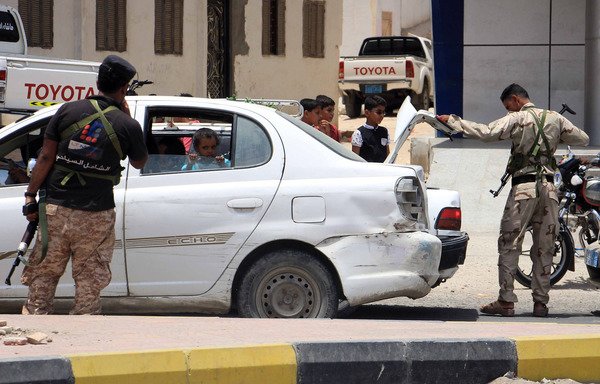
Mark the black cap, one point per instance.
(116, 69)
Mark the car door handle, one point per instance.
(248, 203)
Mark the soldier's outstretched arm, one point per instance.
(494, 131)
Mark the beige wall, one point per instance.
(291, 76)
(256, 76)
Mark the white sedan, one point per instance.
(293, 226)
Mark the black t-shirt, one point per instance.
(97, 193)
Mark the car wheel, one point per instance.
(287, 284)
(353, 106)
(423, 99)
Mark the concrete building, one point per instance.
(217, 48)
(481, 46)
(383, 18)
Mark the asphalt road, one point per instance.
(572, 300)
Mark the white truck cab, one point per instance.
(12, 33)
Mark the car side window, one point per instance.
(187, 140)
(252, 145)
(16, 152)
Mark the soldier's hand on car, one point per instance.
(443, 118)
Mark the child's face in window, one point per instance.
(327, 113)
(207, 147)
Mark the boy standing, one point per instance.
(371, 141)
(327, 112)
(311, 113)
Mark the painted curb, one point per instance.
(575, 357)
(253, 364)
(48, 370)
(417, 361)
(448, 361)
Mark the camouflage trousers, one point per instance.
(524, 210)
(87, 239)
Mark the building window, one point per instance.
(168, 29)
(273, 27)
(38, 17)
(111, 26)
(313, 28)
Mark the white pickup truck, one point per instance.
(392, 67)
(28, 83)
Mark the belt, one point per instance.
(530, 179)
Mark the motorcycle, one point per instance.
(580, 200)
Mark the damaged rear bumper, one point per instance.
(381, 266)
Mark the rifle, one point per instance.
(22, 249)
(503, 182)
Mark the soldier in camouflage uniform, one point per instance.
(79, 163)
(535, 134)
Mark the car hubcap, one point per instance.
(288, 292)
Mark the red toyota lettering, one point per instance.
(64, 93)
(90, 92)
(54, 89)
(29, 87)
(44, 88)
(375, 71)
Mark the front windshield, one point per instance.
(322, 138)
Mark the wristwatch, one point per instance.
(30, 194)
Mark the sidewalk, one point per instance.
(139, 349)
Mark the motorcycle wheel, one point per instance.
(564, 250)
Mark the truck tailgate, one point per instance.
(374, 69)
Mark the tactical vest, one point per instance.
(371, 149)
(536, 157)
(89, 148)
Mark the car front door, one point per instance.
(19, 143)
(185, 222)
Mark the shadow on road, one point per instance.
(577, 283)
(395, 312)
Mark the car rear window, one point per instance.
(9, 32)
(393, 46)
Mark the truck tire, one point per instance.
(353, 106)
(423, 100)
(288, 283)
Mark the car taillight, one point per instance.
(409, 196)
(3, 75)
(341, 70)
(410, 69)
(449, 218)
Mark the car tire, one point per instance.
(353, 106)
(287, 284)
(423, 100)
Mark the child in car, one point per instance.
(205, 142)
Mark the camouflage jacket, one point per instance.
(520, 127)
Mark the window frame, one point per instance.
(111, 25)
(168, 27)
(313, 28)
(273, 27)
(38, 22)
